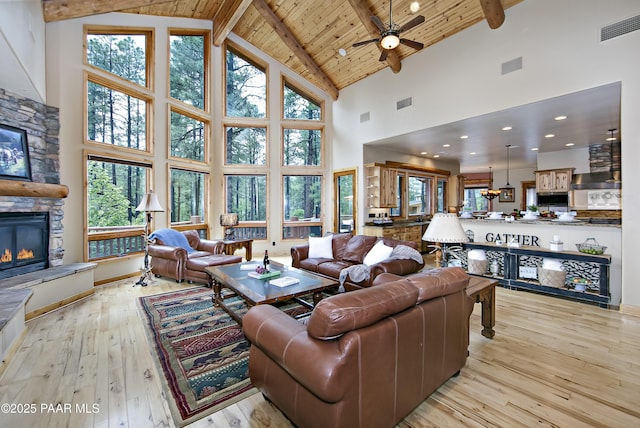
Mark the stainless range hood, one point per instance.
(596, 180)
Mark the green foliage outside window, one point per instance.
(298, 106)
(246, 87)
(122, 55)
(187, 137)
(302, 192)
(246, 146)
(187, 194)
(113, 194)
(187, 69)
(247, 196)
(302, 146)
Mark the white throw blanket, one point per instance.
(406, 252)
(357, 273)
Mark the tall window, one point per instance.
(115, 186)
(120, 52)
(246, 83)
(188, 71)
(302, 146)
(247, 196)
(188, 190)
(419, 195)
(302, 204)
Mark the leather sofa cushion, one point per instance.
(438, 282)
(339, 243)
(200, 263)
(344, 312)
(358, 247)
(332, 268)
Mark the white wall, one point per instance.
(578, 158)
(460, 78)
(22, 48)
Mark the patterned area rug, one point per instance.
(200, 349)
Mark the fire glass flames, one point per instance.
(23, 254)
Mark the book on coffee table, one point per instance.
(284, 281)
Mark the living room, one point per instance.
(441, 80)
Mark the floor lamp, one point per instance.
(445, 229)
(149, 204)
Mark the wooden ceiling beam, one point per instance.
(226, 17)
(289, 39)
(58, 10)
(493, 12)
(364, 14)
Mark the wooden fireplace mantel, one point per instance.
(33, 190)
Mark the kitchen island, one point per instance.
(539, 234)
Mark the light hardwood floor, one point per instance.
(552, 363)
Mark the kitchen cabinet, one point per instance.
(518, 269)
(554, 180)
(381, 186)
(411, 233)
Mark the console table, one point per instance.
(483, 290)
(230, 247)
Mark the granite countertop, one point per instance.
(399, 223)
(544, 222)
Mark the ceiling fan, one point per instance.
(390, 34)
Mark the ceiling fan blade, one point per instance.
(383, 54)
(411, 43)
(378, 23)
(365, 42)
(409, 25)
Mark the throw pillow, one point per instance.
(357, 247)
(378, 253)
(320, 248)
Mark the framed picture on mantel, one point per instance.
(507, 194)
(14, 154)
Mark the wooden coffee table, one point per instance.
(261, 292)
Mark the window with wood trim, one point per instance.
(246, 85)
(188, 197)
(247, 196)
(188, 67)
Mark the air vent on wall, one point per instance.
(364, 117)
(511, 66)
(620, 28)
(407, 102)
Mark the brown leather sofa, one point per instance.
(365, 358)
(349, 250)
(177, 263)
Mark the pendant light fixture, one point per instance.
(507, 191)
(490, 193)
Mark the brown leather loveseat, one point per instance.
(180, 264)
(350, 250)
(365, 358)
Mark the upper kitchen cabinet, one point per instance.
(380, 183)
(554, 180)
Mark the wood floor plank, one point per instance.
(553, 362)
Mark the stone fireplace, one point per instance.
(43, 197)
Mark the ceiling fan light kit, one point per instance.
(390, 40)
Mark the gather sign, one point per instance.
(513, 237)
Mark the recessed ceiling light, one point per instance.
(569, 144)
(342, 52)
(446, 145)
(423, 153)
(507, 128)
(414, 6)
(560, 117)
(535, 149)
(463, 137)
(436, 156)
(472, 153)
(549, 135)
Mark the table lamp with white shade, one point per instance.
(445, 229)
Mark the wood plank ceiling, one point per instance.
(307, 36)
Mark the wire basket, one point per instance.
(551, 278)
(477, 267)
(591, 246)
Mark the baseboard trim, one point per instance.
(52, 307)
(116, 278)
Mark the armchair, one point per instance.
(184, 256)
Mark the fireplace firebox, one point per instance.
(24, 243)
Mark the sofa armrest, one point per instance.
(298, 253)
(317, 364)
(396, 266)
(213, 247)
(167, 252)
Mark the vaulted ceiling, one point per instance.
(307, 36)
